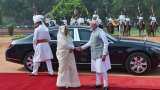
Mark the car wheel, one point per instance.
(28, 61)
(138, 63)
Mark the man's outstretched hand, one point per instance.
(71, 50)
(78, 48)
(104, 57)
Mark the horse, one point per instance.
(141, 27)
(110, 28)
(127, 29)
(152, 29)
(121, 28)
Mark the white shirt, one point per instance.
(43, 51)
(64, 21)
(128, 19)
(140, 18)
(153, 18)
(73, 21)
(121, 18)
(80, 21)
(110, 20)
(41, 32)
(95, 16)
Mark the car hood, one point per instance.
(25, 40)
(152, 44)
(140, 42)
(132, 41)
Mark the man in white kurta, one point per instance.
(67, 71)
(100, 61)
(41, 46)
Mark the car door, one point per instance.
(83, 57)
(116, 51)
(53, 44)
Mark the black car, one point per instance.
(136, 56)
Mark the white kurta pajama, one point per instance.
(67, 72)
(97, 65)
(99, 46)
(43, 51)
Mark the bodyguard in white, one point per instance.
(100, 61)
(41, 46)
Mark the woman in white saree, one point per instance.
(67, 72)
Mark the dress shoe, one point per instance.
(33, 74)
(105, 88)
(51, 74)
(98, 86)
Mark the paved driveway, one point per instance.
(6, 66)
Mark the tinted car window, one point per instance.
(84, 34)
(71, 31)
(53, 34)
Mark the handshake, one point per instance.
(76, 48)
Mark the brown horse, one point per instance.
(152, 29)
(141, 27)
(110, 28)
(127, 29)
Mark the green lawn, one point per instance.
(135, 32)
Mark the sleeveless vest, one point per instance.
(96, 44)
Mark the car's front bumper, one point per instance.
(11, 57)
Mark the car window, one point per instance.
(53, 34)
(71, 31)
(84, 34)
(110, 37)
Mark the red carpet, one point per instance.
(22, 81)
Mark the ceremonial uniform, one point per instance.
(153, 19)
(140, 18)
(96, 17)
(41, 47)
(73, 21)
(65, 21)
(127, 20)
(110, 20)
(80, 21)
(121, 19)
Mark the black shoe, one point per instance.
(61, 88)
(98, 86)
(105, 88)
